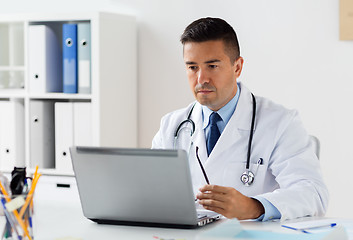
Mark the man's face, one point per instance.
(212, 76)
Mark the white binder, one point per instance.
(45, 60)
(73, 126)
(64, 135)
(42, 138)
(12, 144)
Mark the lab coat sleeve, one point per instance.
(296, 168)
(157, 141)
(164, 138)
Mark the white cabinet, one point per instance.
(112, 114)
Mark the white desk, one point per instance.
(58, 215)
(55, 221)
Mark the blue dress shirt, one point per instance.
(226, 112)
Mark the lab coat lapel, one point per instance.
(199, 136)
(240, 120)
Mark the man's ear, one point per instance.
(238, 66)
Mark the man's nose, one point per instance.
(202, 77)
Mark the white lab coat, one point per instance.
(290, 176)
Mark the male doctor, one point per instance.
(283, 178)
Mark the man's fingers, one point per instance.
(211, 203)
(211, 195)
(214, 188)
(216, 209)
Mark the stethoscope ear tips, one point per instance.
(247, 178)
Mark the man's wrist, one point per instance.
(258, 209)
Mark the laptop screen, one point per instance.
(137, 185)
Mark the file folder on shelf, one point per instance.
(42, 132)
(44, 60)
(12, 145)
(70, 80)
(84, 57)
(73, 126)
(64, 135)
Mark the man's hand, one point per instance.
(229, 202)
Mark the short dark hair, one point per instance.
(208, 29)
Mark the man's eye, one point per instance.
(192, 67)
(212, 66)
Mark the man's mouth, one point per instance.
(204, 91)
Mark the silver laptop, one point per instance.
(137, 187)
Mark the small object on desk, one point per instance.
(18, 180)
(19, 220)
(306, 229)
(19, 223)
(311, 225)
(15, 203)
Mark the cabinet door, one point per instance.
(11, 135)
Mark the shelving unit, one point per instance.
(113, 94)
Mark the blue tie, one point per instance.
(213, 133)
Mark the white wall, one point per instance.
(292, 55)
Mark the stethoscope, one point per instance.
(247, 178)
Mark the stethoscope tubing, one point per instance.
(251, 131)
(189, 120)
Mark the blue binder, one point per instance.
(84, 57)
(70, 58)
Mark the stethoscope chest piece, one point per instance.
(247, 178)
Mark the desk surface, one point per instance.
(58, 215)
(58, 220)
